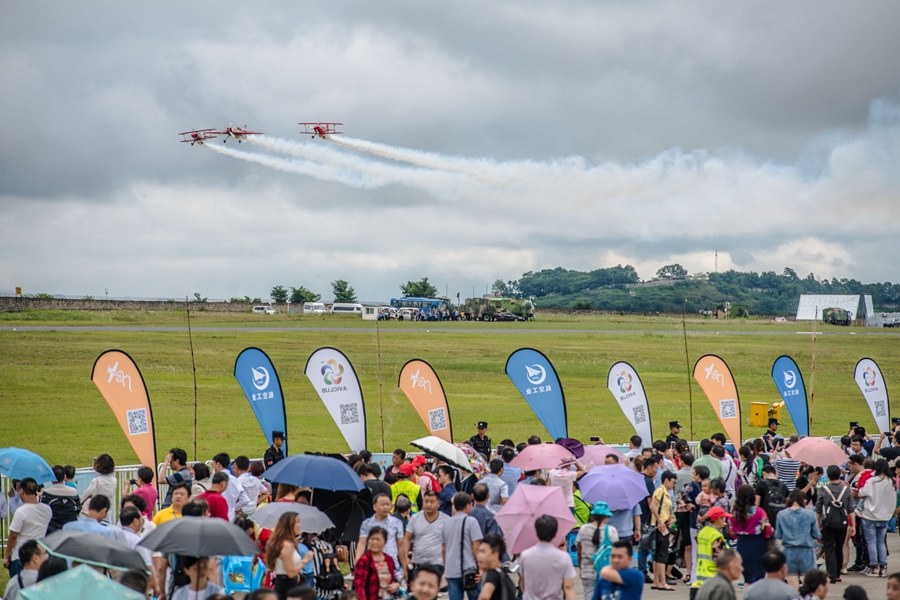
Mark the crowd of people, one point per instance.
(752, 516)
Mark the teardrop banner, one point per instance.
(256, 374)
(790, 385)
(423, 388)
(536, 379)
(625, 384)
(871, 383)
(335, 380)
(717, 383)
(122, 386)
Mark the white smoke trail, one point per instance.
(303, 167)
(437, 182)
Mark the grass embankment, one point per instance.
(50, 405)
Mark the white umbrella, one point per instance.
(312, 520)
(443, 450)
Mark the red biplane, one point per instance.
(198, 136)
(238, 133)
(320, 129)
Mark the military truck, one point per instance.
(484, 309)
(836, 316)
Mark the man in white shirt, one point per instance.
(253, 487)
(634, 448)
(131, 522)
(729, 469)
(545, 571)
(498, 489)
(29, 522)
(234, 494)
(32, 556)
(564, 477)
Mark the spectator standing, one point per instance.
(751, 525)
(395, 543)
(62, 500)
(425, 584)
(618, 581)
(856, 469)
(283, 554)
(254, 490)
(498, 490)
(835, 521)
(708, 460)
(815, 585)
(649, 467)
(181, 495)
(196, 569)
(634, 448)
(392, 473)
(663, 517)
(689, 498)
(460, 537)
(880, 501)
(103, 484)
(94, 520)
(627, 523)
(425, 479)
(448, 490)
(32, 555)
(482, 513)
(130, 523)
(404, 486)
(495, 584)
(218, 506)
(685, 474)
(710, 544)
(565, 477)
(545, 571)
(374, 576)
(720, 587)
(729, 469)
(177, 461)
(29, 522)
(750, 465)
(234, 494)
(511, 475)
(786, 468)
(772, 587)
(771, 495)
(591, 536)
(798, 531)
(424, 534)
(143, 487)
(371, 481)
(201, 479)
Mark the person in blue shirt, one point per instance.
(448, 490)
(618, 581)
(92, 522)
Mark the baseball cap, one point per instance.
(717, 512)
(419, 460)
(406, 469)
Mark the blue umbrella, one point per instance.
(320, 472)
(16, 463)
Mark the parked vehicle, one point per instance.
(486, 309)
(315, 308)
(836, 316)
(340, 308)
(505, 315)
(264, 310)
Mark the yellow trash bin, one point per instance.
(759, 414)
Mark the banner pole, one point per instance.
(187, 304)
(378, 370)
(687, 364)
(812, 376)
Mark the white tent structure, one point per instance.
(811, 305)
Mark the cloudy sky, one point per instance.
(537, 134)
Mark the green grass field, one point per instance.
(48, 403)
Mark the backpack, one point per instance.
(603, 553)
(776, 498)
(834, 513)
(329, 577)
(65, 510)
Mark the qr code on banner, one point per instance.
(879, 408)
(727, 409)
(137, 421)
(438, 419)
(349, 414)
(640, 415)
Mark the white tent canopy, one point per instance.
(811, 306)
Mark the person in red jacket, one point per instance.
(218, 505)
(374, 577)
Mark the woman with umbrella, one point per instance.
(283, 556)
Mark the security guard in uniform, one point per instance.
(481, 442)
(675, 432)
(274, 453)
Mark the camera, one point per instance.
(595, 438)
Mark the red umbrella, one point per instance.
(542, 456)
(817, 452)
(529, 502)
(596, 455)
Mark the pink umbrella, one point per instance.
(529, 502)
(817, 452)
(542, 456)
(596, 455)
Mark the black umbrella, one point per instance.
(93, 549)
(200, 536)
(346, 509)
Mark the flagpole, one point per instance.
(187, 304)
(378, 370)
(687, 364)
(812, 376)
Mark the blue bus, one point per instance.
(425, 304)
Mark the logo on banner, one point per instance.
(419, 381)
(624, 382)
(332, 372)
(260, 377)
(119, 376)
(869, 377)
(536, 374)
(790, 379)
(711, 372)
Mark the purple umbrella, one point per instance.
(617, 485)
